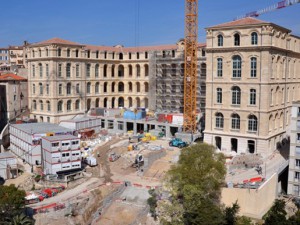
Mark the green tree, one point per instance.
(295, 219)
(21, 219)
(12, 202)
(152, 202)
(195, 185)
(231, 214)
(277, 214)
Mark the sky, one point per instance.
(126, 22)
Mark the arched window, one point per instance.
(97, 70)
(130, 87)
(77, 105)
(252, 99)
(235, 121)
(236, 40)
(33, 88)
(138, 87)
(47, 89)
(129, 55)
(68, 70)
(120, 71)
(41, 105)
(138, 70)
(220, 40)
(254, 38)
(48, 106)
(41, 88)
(88, 53)
(34, 104)
(97, 54)
(88, 70)
(77, 88)
(121, 87)
(97, 88)
(105, 70)
(146, 70)
(129, 102)
(40, 53)
(146, 87)
(219, 95)
(219, 120)
(105, 87)
(41, 70)
(253, 67)
(220, 67)
(88, 88)
(236, 66)
(77, 53)
(47, 51)
(252, 123)
(69, 105)
(130, 70)
(59, 106)
(146, 55)
(113, 71)
(113, 87)
(47, 70)
(68, 88)
(59, 70)
(236, 95)
(60, 89)
(137, 55)
(77, 70)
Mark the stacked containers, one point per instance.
(161, 118)
(134, 116)
(178, 119)
(169, 118)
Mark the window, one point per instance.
(88, 53)
(68, 88)
(97, 70)
(33, 88)
(48, 106)
(254, 38)
(252, 97)
(97, 54)
(105, 71)
(137, 55)
(77, 70)
(59, 52)
(146, 55)
(297, 162)
(88, 88)
(47, 89)
(129, 55)
(236, 66)
(220, 40)
(34, 104)
(68, 70)
(88, 70)
(41, 70)
(40, 53)
(105, 55)
(76, 53)
(120, 55)
(59, 70)
(220, 67)
(97, 88)
(236, 40)
(77, 105)
(236, 95)
(69, 105)
(219, 120)
(253, 66)
(41, 106)
(235, 121)
(56, 144)
(47, 70)
(33, 54)
(47, 52)
(59, 106)
(219, 95)
(33, 70)
(68, 53)
(252, 123)
(77, 88)
(41, 88)
(297, 175)
(60, 89)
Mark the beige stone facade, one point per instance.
(253, 75)
(67, 78)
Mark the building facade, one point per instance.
(4, 59)
(60, 153)
(252, 78)
(16, 57)
(67, 78)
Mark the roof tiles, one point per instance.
(241, 22)
(11, 76)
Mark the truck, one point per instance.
(177, 142)
(91, 161)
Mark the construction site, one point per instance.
(89, 152)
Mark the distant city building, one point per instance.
(13, 97)
(25, 139)
(4, 59)
(16, 57)
(253, 75)
(60, 153)
(294, 159)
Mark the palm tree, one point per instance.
(21, 219)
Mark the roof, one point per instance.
(80, 119)
(41, 128)
(60, 138)
(57, 41)
(11, 76)
(5, 155)
(241, 22)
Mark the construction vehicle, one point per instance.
(113, 157)
(177, 142)
(139, 161)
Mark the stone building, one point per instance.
(66, 78)
(253, 75)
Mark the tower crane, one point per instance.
(190, 69)
(278, 5)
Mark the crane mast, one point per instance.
(190, 69)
